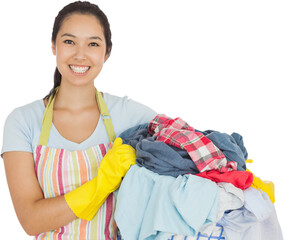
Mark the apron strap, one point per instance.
(48, 116)
(47, 120)
(105, 116)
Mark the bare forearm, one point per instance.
(46, 215)
(35, 213)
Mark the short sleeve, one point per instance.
(130, 114)
(138, 113)
(126, 113)
(17, 133)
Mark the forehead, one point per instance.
(82, 24)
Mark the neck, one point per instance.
(75, 97)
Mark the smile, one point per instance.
(79, 69)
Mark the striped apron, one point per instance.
(59, 171)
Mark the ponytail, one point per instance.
(57, 82)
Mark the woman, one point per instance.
(60, 177)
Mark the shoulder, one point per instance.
(115, 101)
(27, 113)
(34, 106)
(126, 113)
(25, 120)
(21, 125)
(127, 106)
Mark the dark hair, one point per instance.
(82, 8)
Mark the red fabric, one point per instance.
(240, 179)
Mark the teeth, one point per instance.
(79, 69)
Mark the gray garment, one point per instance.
(157, 156)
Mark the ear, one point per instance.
(53, 48)
(106, 57)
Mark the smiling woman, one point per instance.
(61, 156)
(216, 64)
(87, 32)
(80, 50)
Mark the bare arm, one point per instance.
(35, 213)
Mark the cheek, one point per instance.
(63, 51)
(98, 57)
(62, 54)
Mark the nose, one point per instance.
(80, 53)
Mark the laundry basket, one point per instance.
(218, 234)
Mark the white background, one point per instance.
(216, 64)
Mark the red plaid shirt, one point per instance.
(202, 151)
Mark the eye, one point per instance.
(93, 44)
(69, 42)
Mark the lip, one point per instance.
(77, 73)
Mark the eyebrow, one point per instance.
(73, 36)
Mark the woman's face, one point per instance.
(80, 49)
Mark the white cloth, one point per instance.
(256, 220)
(230, 198)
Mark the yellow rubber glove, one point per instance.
(86, 200)
(265, 186)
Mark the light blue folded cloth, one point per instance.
(149, 204)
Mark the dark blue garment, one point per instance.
(163, 159)
(232, 146)
(135, 134)
(156, 155)
(169, 160)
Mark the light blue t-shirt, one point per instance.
(23, 125)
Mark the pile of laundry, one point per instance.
(194, 185)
